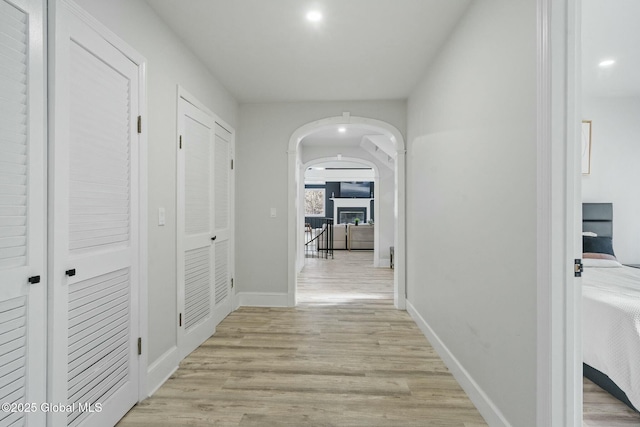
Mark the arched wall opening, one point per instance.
(295, 200)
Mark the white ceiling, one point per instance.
(610, 30)
(266, 50)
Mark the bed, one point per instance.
(611, 310)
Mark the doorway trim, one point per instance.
(294, 171)
(559, 293)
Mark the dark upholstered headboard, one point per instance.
(598, 218)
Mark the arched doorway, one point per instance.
(395, 148)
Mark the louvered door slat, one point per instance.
(223, 223)
(98, 322)
(81, 348)
(13, 136)
(11, 11)
(99, 153)
(13, 383)
(13, 71)
(81, 389)
(81, 367)
(198, 176)
(197, 288)
(98, 337)
(91, 287)
(16, 364)
(103, 386)
(222, 271)
(13, 352)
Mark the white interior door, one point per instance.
(94, 214)
(196, 249)
(223, 199)
(22, 212)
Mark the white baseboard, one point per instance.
(262, 299)
(161, 369)
(383, 262)
(492, 415)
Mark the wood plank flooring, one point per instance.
(343, 357)
(603, 410)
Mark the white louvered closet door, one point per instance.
(223, 221)
(195, 227)
(95, 218)
(22, 212)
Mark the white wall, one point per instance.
(386, 185)
(471, 196)
(615, 175)
(169, 63)
(262, 142)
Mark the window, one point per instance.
(314, 201)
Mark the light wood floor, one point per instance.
(603, 410)
(343, 357)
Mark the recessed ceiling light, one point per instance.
(342, 129)
(314, 16)
(607, 63)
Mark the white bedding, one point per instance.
(611, 325)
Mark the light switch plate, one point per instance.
(161, 216)
(273, 212)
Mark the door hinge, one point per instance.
(139, 124)
(181, 142)
(578, 268)
(231, 164)
(180, 319)
(232, 283)
(139, 346)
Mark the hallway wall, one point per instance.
(471, 203)
(170, 63)
(262, 143)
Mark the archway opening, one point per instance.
(374, 144)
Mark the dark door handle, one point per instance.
(71, 272)
(214, 238)
(34, 279)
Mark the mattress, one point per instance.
(611, 326)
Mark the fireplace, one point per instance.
(348, 215)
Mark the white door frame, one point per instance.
(376, 207)
(140, 62)
(293, 242)
(15, 283)
(559, 337)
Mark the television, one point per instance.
(358, 190)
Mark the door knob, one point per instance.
(71, 272)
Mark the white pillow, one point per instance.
(591, 262)
(589, 234)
